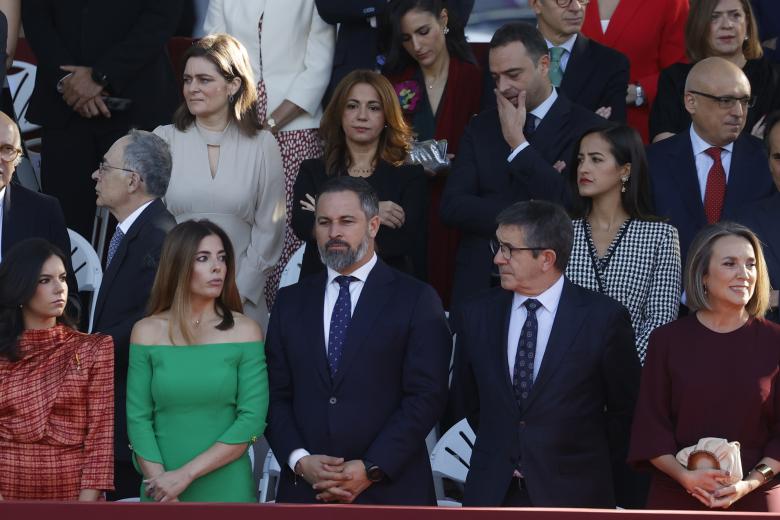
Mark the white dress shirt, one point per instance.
(2, 206)
(568, 45)
(539, 112)
(128, 222)
(545, 316)
(331, 295)
(704, 162)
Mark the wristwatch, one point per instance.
(373, 472)
(765, 471)
(271, 122)
(640, 95)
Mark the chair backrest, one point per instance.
(269, 480)
(21, 79)
(86, 263)
(451, 455)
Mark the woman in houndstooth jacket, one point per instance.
(620, 248)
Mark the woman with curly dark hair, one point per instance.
(366, 136)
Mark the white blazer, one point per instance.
(297, 48)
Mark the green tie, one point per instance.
(556, 72)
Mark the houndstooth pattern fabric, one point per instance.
(643, 273)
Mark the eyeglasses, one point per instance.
(9, 153)
(103, 167)
(506, 249)
(566, 3)
(727, 102)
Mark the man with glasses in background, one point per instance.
(25, 213)
(712, 172)
(547, 372)
(131, 180)
(587, 72)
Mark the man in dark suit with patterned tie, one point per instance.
(547, 372)
(131, 180)
(358, 362)
(713, 171)
(508, 153)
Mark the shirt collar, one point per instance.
(549, 298)
(568, 44)
(700, 145)
(361, 273)
(127, 223)
(545, 105)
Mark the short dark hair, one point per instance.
(19, 273)
(625, 145)
(770, 123)
(369, 201)
(544, 224)
(522, 32)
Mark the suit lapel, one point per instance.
(579, 66)
(568, 320)
(500, 315)
(739, 187)
(551, 128)
(687, 179)
(8, 231)
(622, 19)
(109, 275)
(312, 313)
(373, 297)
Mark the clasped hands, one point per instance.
(713, 488)
(168, 485)
(82, 94)
(332, 478)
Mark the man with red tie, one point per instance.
(711, 172)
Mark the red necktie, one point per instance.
(715, 192)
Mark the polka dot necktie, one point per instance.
(523, 373)
(715, 191)
(113, 246)
(339, 323)
(556, 71)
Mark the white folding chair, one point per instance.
(269, 480)
(292, 271)
(86, 265)
(451, 455)
(21, 80)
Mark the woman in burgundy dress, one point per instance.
(714, 374)
(439, 85)
(56, 386)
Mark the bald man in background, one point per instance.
(711, 172)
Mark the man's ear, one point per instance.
(690, 103)
(373, 226)
(548, 260)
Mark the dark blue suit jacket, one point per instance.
(676, 187)
(575, 424)
(390, 390)
(483, 183)
(122, 298)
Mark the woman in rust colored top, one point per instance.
(714, 373)
(56, 386)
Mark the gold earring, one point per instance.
(623, 181)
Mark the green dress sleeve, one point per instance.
(252, 398)
(140, 406)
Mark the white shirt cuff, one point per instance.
(522, 146)
(295, 456)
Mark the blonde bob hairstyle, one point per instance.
(230, 58)
(395, 141)
(699, 256)
(171, 289)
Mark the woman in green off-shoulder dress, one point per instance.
(197, 388)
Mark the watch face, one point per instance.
(375, 474)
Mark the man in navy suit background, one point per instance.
(131, 181)
(548, 373)
(358, 361)
(713, 171)
(508, 153)
(589, 73)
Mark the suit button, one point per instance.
(333, 400)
